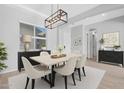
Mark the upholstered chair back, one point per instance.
(44, 53)
(81, 61)
(69, 67)
(29, 69)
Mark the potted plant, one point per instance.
(43, 47)
(116, 47)
(3, 56)
(101, 41)
(60, 48)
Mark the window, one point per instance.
(40, 38)
(37, 33)
(40, 32)
(40, 44)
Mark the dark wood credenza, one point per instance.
(111, 56)
(28, 54)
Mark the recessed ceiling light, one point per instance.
(103, 14)
(86, 18)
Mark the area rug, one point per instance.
(91, 81)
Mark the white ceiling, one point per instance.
(118, 19)
(71, 9)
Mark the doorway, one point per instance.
(92, 44)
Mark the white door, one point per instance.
(92, 44)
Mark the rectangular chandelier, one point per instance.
(58, 18)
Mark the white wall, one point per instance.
(52, 39)
(106, 27)
(10, 16)
(65, 37)
(76, 35)
(85, 22)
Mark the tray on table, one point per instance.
(58, 56)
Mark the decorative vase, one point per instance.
(26, 46)
(101, 47)
(60, 51)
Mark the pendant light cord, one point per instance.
(58, 40)
(51, 9)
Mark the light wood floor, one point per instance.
(113, 78)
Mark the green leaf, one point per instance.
(3, 56)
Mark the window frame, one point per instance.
(34, 37)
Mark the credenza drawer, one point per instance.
(111, 56)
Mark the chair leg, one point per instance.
(75, 69)
(65, 77)
(27, 83)
(33, 83)
(73, 78)
(79, 73)
(84, 71)
(45, 77)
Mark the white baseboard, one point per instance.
(8, 71)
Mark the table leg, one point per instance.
(52, 77)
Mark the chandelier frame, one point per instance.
(59, 16)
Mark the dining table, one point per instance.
(48, 60)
